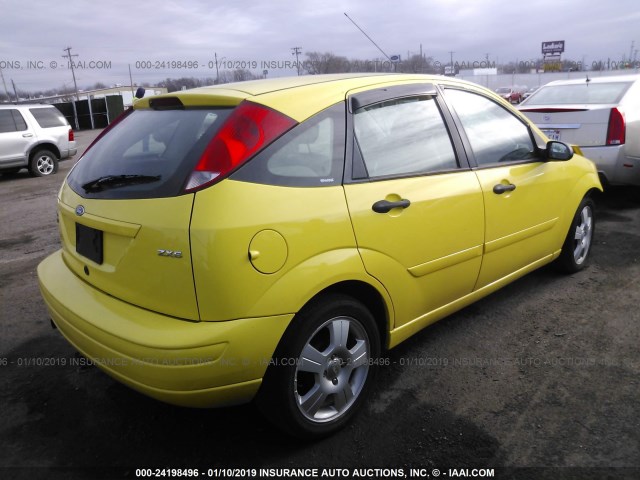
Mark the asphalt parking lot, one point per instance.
(542, 375)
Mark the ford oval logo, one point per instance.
(79, 210)
(547, 118)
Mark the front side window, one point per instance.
(404, 136)
(495, 134)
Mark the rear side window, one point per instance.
(148, 154)
(580, 93)
(11, 121)
(309, 155)
(404, 136)
(49, 117)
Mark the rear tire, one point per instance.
(577, 245)
(43, 163)
(323, 368)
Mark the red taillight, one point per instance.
(617, 128)
(71, 137)
(249, 129)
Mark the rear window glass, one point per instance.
(579, 93)
(49, 117)
(149, 154)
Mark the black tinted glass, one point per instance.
(11, 121)
(148, 154)
(48, 117)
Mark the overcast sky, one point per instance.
(120, 33)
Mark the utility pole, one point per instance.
(131, 85)
(14, 90)
(486, 56)
(69, 56)
(5, 86)
(215, 54)
(453, 71)
(297, 51)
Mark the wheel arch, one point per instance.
(44, 146)
(370, 297)
(588, 186)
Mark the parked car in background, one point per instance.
(269, 239)
(510, 94)
(601, 115)
(529, 92)
(34, 137)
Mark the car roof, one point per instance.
(609, 79)
(297, 97)
(26, 105)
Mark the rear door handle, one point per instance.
(384, 206)
(500, 188)
(27, 135)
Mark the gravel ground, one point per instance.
(539, 380)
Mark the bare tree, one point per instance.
(319, 63)
(417, 64)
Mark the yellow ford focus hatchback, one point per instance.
(267, 240)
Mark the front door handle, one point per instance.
(500, 188)
(384, 206)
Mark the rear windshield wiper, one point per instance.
(116, 181)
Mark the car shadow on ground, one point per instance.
(77, 417)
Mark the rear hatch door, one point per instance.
(124, 216)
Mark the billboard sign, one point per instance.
(553, 48)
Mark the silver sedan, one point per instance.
(601, 115)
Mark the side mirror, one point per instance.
(140, 93)
(558, 151)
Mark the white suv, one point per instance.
(34, 137)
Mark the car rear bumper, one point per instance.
(614, 165)
(196, 364)
(65, 154)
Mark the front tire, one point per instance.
(323, 368)
(577, 245)
(43, 163)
